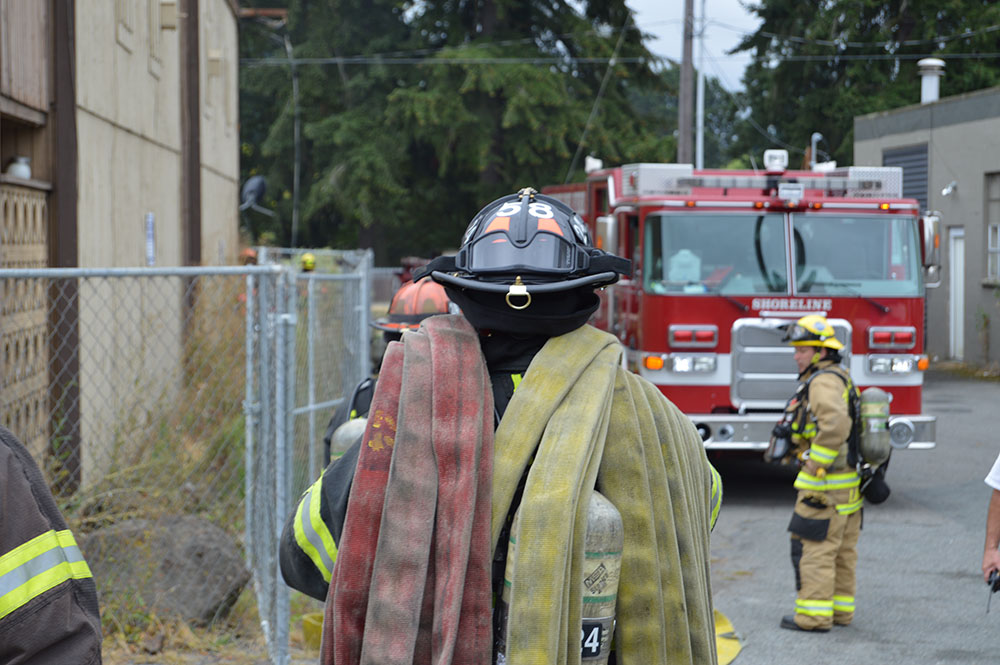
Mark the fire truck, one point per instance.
(723, 259)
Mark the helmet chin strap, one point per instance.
(817, 356)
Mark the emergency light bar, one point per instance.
(862, 182)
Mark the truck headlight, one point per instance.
(891, 364)
(902, 364)
(684, 364)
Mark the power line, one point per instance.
(566, 60)
(882, 56)
(379, 60)
(852, 44)
(597, 100)
(740, 104)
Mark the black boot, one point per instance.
(788, 622)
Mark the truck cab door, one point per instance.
(627, 319)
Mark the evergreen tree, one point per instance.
(437, 107)
(817, 65)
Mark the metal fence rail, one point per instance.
(162, 399)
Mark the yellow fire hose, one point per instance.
(584, 419)
(727, 642)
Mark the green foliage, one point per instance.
(494, 95)
(817, 65)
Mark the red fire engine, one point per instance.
(722, 259)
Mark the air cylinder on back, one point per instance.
(875, 443)
(602, 560)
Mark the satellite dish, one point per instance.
(253, 191)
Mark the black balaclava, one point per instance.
(548, 315)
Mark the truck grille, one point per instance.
(764, 373)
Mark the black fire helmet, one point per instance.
(523, 244)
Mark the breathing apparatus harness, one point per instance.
(870, 465)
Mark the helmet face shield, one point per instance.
(796, 333)
(545, 252)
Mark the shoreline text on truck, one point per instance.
(721, 259)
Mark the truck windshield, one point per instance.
(736, 254)
(857, 255)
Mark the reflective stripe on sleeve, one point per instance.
(822, 455)
(808, 432)
(814, 608)
(311, 532)
(716, 496)
(38, 565)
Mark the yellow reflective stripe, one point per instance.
(814, 608)
(843, 603)
(822, 454)
(849, 508)
(516, 378)
(843, 481)
(807, 481)
(311, 533)
(832, 481)
(716, 496)
(42, 563)
(808, 431)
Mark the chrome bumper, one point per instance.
(752, 431)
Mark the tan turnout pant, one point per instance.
(825, 569)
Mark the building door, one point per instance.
(956, 285)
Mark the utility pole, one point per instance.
(190, 117)
(699, 152)
(685, 101)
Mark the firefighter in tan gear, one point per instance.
(827, 519)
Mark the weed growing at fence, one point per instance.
(175, 447)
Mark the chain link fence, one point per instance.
(176, 413)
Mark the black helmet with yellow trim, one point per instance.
(812, 330)
(524, 244)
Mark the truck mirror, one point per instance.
(607, 234)
(930, 240)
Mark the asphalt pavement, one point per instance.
(921, 598)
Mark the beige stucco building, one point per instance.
(126, 111)
(949, 149)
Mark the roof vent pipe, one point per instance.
(931, 71)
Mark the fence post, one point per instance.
(251, 409)
(365, 314)
(314, 450)
(265, 491)
(285, 433)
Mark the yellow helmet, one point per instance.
(812, 330)
(308, 261)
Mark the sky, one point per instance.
(728, 21)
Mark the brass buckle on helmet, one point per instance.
(518, 289)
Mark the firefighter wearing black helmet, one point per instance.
(826, 521)
(524, 279)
